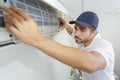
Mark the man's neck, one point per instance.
(89, 41)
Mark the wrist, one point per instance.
(38, 41)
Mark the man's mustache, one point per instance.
(77, 37)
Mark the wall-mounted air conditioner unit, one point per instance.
(45, 15)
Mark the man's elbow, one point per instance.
(91, 68)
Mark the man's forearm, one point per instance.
(74, 57)
(69, 29)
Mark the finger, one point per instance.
(20, 12)
(61, 21)
(13, 13)
(11, 28)
(13, 21)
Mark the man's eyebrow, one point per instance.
(82, 27)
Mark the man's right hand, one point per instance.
(22, 26)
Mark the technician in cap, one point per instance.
(95, 56)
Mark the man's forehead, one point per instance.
(80, 26)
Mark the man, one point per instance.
(95, 56)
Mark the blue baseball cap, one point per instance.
(87, 18)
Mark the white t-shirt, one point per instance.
(106, 50)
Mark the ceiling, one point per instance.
(101, 7)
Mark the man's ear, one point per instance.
(94, 31)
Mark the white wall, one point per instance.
(110, 29)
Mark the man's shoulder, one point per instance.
(99, 41)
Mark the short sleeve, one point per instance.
(106, 50)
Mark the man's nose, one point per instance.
(77, 33)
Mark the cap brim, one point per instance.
(72, 22)
(81, 23)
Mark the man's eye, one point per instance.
(83, 30)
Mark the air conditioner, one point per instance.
(44, 13)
